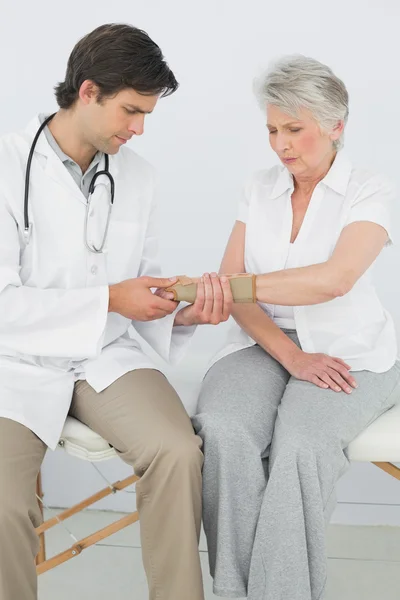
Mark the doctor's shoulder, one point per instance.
(14, 151)
(14, 147)
(135, 166)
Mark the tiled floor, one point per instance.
(364, 564)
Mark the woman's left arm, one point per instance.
(358, 246)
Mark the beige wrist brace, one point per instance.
(243, 286)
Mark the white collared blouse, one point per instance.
(354, 327)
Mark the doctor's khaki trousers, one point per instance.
(143, 418)
(274, 448)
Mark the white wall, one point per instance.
(207, 138)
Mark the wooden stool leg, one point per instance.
(389, 468)
(41, 557)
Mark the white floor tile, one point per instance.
(364, 543)
(344, 541)
(102, 573)
(363, 580)
(99, 573)
(363, 564)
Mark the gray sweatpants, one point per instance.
(274, 449)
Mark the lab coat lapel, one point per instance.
(53, 168)
(57, 171)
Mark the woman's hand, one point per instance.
(213, 303)
(322, 370)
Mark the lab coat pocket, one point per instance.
(124, 249)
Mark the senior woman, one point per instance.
(313, 363)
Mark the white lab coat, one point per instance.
(54, 322)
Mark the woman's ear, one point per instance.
(337, 131)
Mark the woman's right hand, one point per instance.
(322, 370)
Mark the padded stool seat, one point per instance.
(380, 442)
(79, 440)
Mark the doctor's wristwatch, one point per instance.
(243, 286)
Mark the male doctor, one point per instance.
(70, 288)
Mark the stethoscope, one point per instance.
(28, 226)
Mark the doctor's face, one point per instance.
(300, 143)
(110, 123)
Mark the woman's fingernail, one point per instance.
(224, 279)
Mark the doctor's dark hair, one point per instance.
(116, 57)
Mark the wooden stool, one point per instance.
(80, 441)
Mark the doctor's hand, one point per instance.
(213, 303)
(322, 370)
(134, 299)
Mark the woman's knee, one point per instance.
(224, 433)
(238, 400)
(295, 437)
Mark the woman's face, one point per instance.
(299, 141)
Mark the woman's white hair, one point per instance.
(296, 82)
